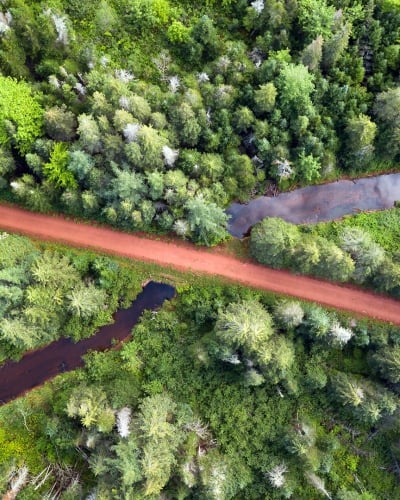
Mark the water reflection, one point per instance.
(63, 355)
(317, 203)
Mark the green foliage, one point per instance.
(364, 251)
(146, 14)
(383, 227)
(265, 97)
(368, 401)
(21, 115)
(272, 241)
(316, 18)
(186, 125)
(306, 254)
(7, 166)
(334, 264)
(387, 106)
(127, 461)
(90, 405)
(246, 327)
(156, 184)
(177, 32)
(308, 168)
(106, 18)
(128, 186)
(55, 271)
(316, 321)
(277, 243)
(207, 222)
(18, 334)
(15, 250)
(161, 440)
(295, 84)
(86, 300)
(80, 164)
(335, 45)
(388, 362)
(56, 170)
(206, 42)
(360, 133)
(364, 260)
(60, 124)
(386, 109)
(89, 133)
(142, 413)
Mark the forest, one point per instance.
(361, 249)
(155, 115)
(225, 392)
(46, 295)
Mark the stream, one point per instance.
(312, 204)
(17, 377)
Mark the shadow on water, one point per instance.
(63, 355)
(317, 203)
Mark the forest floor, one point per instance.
(187, 257)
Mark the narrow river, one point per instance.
(63, 355)
(317, 203)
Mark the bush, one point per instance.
(273, 241)
(21, 116)
(177, 32)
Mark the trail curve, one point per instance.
(187, 257)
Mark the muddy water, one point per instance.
(317, 203)
(63, 355)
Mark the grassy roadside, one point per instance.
(145, 271)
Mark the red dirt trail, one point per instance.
(189, 258)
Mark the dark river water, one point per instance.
(317, 203)
(63, 355)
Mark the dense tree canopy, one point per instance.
(21, 115)
(225, 393)
(155, 115)
(217, 100)
(46, 295)
(350, 254)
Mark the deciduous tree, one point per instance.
(273, 241)
(20, 114)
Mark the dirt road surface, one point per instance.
(186, 257)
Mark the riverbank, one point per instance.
(319, 203)
(64, 355)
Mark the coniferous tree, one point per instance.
(387, 361)
(207, 222)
